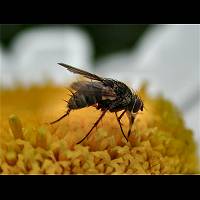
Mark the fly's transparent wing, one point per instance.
(81, 72)
(94, 88)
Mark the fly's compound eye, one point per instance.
(142, 107)
(137, 106)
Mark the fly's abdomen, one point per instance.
(78, 101)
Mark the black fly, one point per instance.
(105, 94)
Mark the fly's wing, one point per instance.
(81, 72)
(94, 88)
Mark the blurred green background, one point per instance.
(106, 39)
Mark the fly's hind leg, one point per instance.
(95, 124)
(67, 113)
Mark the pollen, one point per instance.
(159, 142)
(16, 126)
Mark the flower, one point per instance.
(159, 143)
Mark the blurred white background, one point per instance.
(167, 56)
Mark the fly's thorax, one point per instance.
(122, 90)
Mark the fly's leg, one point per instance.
(121, 116)
(95, 124)
(118, 119)
(67, 113)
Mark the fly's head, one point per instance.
(137, 104)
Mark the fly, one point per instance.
(106, 95)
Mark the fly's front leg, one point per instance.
(121, 126)
(121, 116)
